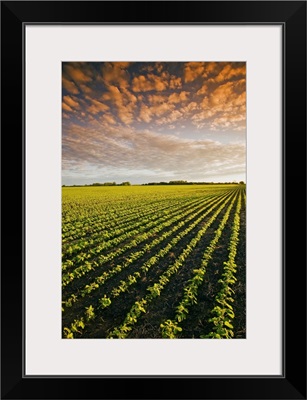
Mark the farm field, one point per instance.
(154, 261)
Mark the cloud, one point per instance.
(86, 89)
(156, 98)
(161, 155)
(71, 102)
(193, 70)
(211, 68)
(108, 118)
(174, 98)
(114, 102)
(96, 106)
(192, 106)
(178, 97)
(236, 120)
(75, 72)
(69, 86)
(202, 90)
(175, 82)
(149, 82)
(224, 107)
(145, 113)
(175, 115)
(66, 107)
(124, 102)
(226, 96)
(213, 72)
(116, 74)
(159, 67)
(229, 72)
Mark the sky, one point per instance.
(153, 121)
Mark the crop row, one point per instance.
(155, 290)
(91, 227)
(153, 228)
(120, 232)
(170, 328)
(159, 265)
(132, 279)
(188, 216)
(223, 313)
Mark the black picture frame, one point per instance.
(292, 16)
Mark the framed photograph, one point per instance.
(162, 150)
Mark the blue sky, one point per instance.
(153, 121)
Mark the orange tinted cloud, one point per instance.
(189, 108)
(175, 115)
(229, 72)
(143, 83)
(86, 89)
(77, 74)
(66, 107)
(161, 109)
(202, 90)
(226, 95)
(175, 83)
(178, 97)
(156, 98)
(158, 107)
(107, 117)
(145, 114)
(124, 101)
(69, 86)
(71, 102)
(193, 70)
(224, 107)
(97, 107)
(210, 68)
(159, 67)
(116, 74)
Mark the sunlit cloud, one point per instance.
(151, 151)
(149, 82)
(202, 90)
(66, 107)
(86, 89)
(175, 82)
(155, 118)
(69, 86)
(116, 74)
(229, 72)
(193, 70)
(71, 102)
(77, 74)
(178, 97)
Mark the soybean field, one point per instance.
(154, 262)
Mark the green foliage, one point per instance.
(89, 313)
(104, 235)
(223, 313)
(191, 289)
(104, 302)
(170, 329)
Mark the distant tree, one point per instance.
(177, 182)
(125, 184)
